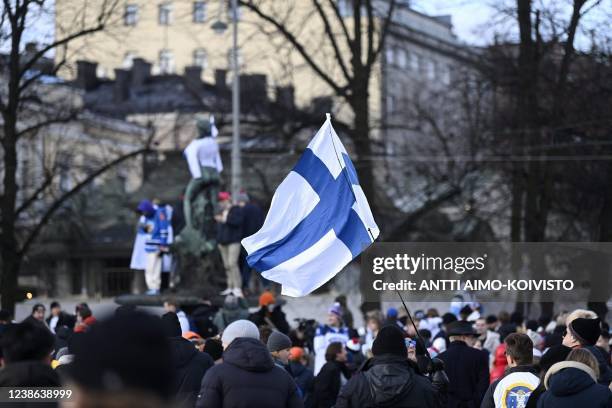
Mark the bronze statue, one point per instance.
(195, 244)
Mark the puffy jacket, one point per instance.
(603, 360)
(387, 381)
(190, 366)
(571, 384)
(248, 378)
(303, 377)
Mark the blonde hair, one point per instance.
(580, 314)
(585, 357)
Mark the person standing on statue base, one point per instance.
(156, 225)
(229, 233)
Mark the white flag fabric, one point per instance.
(319, 220)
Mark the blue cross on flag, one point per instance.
(319, 220)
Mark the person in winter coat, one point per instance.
(467, 368)
(302, 375)
(332, 376)
(124, 361)
(519, 380)
(270, 314)
(554, 355)
(26, 351)
(234, 308)
(247, 376)
(279, 346)
(59, 318)
(190, 365)
(171, 305)
(37, 315)
(388, 379)
(499, 363)
(203, 319)
(229, 234)
(572, 383)
(583, 333)
(84, 318)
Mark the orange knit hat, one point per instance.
(296, 353)
(266, 298)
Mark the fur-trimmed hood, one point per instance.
(555, 368)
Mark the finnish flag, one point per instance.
(319, 220)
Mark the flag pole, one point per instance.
(328, 116)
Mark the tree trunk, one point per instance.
(363, 147)
(9, 252)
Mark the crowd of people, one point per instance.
(234, 356)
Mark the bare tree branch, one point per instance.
(34, 197)
(340, 91)
(61, 200)
(383, 35)
(332, 39)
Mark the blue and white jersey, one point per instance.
(324, 336)
(157, 225)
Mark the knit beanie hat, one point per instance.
(336, 309)
(586, 330)
(266, 298)
(278, 341)
(390, 340)
(296, 353)
(239, 328)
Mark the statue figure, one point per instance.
(199, 206)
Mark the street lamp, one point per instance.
(219, 27)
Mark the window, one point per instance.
(128, 59)
(165, 14)
(414, 61)
(401, 58)
(391, 104)
(130, 18)
(166, 62)
(446, 74)
(431, 68)
(199, 58)
(199, 12)
(390, 56)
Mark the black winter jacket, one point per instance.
(190, 366)
(230, 231)
(248, 378)
(387, 381)
(468, 372)
(304, 379)
(327, 384)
